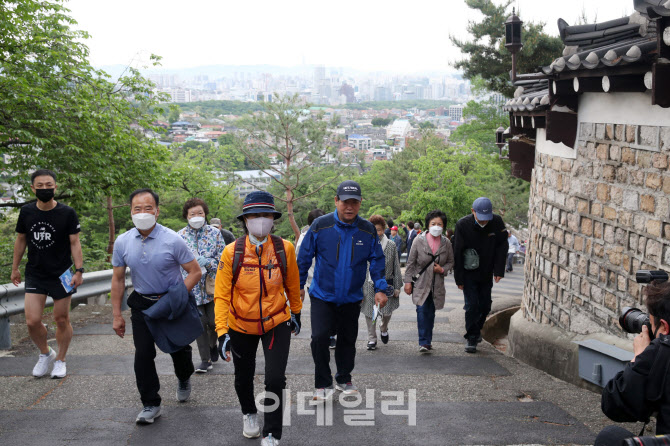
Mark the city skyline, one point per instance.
(363, 36)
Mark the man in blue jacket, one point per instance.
(342, 243)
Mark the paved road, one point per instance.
(461, 399)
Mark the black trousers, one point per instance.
(477, 296)
(326, 317)
(276, 345)
(145, 353)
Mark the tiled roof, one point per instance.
(532, 96)
(617, 42)
(653, 8)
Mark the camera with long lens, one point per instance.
(633, 319)
(647, 441)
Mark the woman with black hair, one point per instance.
(429, 261)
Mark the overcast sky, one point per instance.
(385, 35)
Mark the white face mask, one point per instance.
(144, 221)
(196, 222)
(260, 227)
(483, 225)
(435, 231)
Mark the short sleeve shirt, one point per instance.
(48, 239)
(154, 261)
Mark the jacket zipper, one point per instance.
(338, 251)
(352, 250)
(260, 296)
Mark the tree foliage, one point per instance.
(486, 55)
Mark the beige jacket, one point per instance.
(419, 256)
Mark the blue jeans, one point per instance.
(425, 319)
(477, 296)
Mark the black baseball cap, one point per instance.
(349, 189)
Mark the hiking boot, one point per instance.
(214, 354)
(479, 339)
(472, 346)
(148, 415)
(204, 367)
(184, 390)
(333, 342)
(59, 370)
(44, 363)
(347, 389)
(424, 349)
(270, 441)
(385, 337)
(251, 428)
(323, 394)
(372, 345)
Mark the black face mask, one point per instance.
(44, 195)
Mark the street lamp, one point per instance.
(500, 142)
(513, 42)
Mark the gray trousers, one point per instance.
(208, 337)
(372, 328)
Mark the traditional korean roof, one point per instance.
(624, 41)
(530, 96)
(653, 8)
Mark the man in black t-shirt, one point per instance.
(50, 230)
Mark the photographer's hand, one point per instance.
(641, 342)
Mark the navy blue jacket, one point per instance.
(174, 321)
(342, 254)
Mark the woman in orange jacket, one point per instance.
(257, 299)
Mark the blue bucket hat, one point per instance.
(258, 202)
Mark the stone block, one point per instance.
(666, 255)
(608, 235)
(615, 255)
(583, 265)
(585, 289)
(582, 206)
(666, 231)
(598, 230)
(616, 195)
(573, 222)
(662, 208)
(653, 253)
(620, 132)
(639, 222)
(644, 159)
(665, 139)
(564, 320)
(631, 131)
(598, 250)
(587, 227)
(609, 131)
(620, 236)
(586, 130)
(566, 166)
(625, 218)
(622, 175)
(660, 161)
(600, 131)
(609, 213)
(666, 185)
(654, 227)
(596, 294)
(653, 181)
(630, 200)
(597, 209)
(647, 203)
(602, 152)
(648, 136)
(615, 153)
(603, 192)
(579, 243)
(610, 301)
(633, 241)
(628, 156)
(609, 173)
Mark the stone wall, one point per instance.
(594, 221)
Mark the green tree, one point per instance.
(484, 118)
(426, 125)
(286, 134)
(175, 112)
(486, 55)
(381, 122)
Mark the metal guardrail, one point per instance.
(96, 284)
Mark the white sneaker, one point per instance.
(59, 370)
(323, 394)
(270, 441)
(251, 428)
(44, 363)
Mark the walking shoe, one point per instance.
(44, 363)
(472, 346)
(385, 337)
(270, 441)
(251, 428)
(333, 342)
(323, 394)
(184, 390)
(372, 346)
(479, 339)
(148, 415)
(423, 349)
(347, 389)
(59, 370)
(214, 354)
(204, 367)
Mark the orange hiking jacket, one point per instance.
(250, 311)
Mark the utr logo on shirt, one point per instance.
(43, 235)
